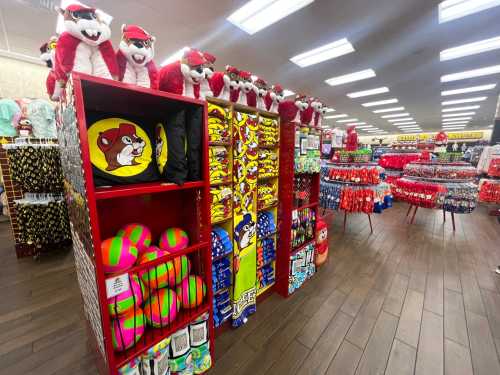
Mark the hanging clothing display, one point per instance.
(9, 109)
(43, 118)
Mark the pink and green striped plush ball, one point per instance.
(127, 329)
(118, 254)
(173, 240)
(165, 274)
(162, 307)
(191, 292)
(125, 301)
(139, 234)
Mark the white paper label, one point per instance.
(117, 285)
(180, 342)
(295, 215)
(198, 333)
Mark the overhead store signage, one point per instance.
(451, 136)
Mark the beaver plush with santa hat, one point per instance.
(261, 88)
(226, 85)
(274, 97)
(135, 57)
(48, 56)
(184, 77)
(247, 89)
(84, 46)
(209, 69)
(291, 111)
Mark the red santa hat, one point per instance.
(245, 75)
(209, 57)
(260, 82)
(351, 128)
(78, 8)
(193, 57)
(232, 69)
(135, 32)
(277, 88)
(301, 97)
(112, 135)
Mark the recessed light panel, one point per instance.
(457, 122)
(465, 108)
(452, 9)
(456, 119)
(396, 115)
(459, 114)
(256, 15)
(401, 119)
(380, 102)
(455, 128)
(330, 110)
(348, 120)
(287, 92)
(353, 77)
(337, 116)
(470, 49)
(481, 72)
(385, 110)
(467, 100)
(360, 94)
(405, 123)
(323, 53)
(467, 90)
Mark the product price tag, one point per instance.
(198, 333)
(295, 215)
(117, 285)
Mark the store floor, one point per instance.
(407, 299)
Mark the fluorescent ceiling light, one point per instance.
(469, 89)
(340, 80)
(358, 123)
(470, 49)
(337, 116)
(452, 9)
(287, 92)
(175, 56)
(366, 127)
(396, 115)
(412, 131)
(401, 119)
(455, 128)
(481, 72)
(463, 101)
(330, 110)
(465, 108)
(459, 114)
(457, 119)
(457, 122)
(360, 94)
(60, 28)
(380, 102)
(256, 15)
(408, 126)
(490, 126)
(348, 120)
(323, 53)
(385, 110)
(405, 123)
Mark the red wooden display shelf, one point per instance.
(153, 336)
(297, 248)
(141, 189)
(309, 205)
(166, 258)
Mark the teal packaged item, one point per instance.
(200, 346)
(43, 118)
(180, 360)
(156, 359)
(9, 110)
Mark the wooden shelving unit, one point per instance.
(97, 213)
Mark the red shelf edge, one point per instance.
(297, 248)
(139, 189)
(167, 332)
(306, 206)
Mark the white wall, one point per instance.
(22, 79)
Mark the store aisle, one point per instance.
(407, 299)
(402, 300)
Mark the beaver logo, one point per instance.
(121, 146)
(244, 232)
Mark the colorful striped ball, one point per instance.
(191, 292)
(165, 274)
(127, 329)
(139, 234)
(173, 240)
(118, 254)
(125, 301)
(162, 307)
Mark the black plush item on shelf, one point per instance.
(176, 169)
(194, 132)
(122, 150)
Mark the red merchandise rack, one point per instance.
(288, 204)
(96, 213)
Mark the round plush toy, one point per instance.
(173, 240)
(118, 254)
(162, 307)
(127, 329)
(165, 274)
(191, 292)
(125, 301)
(139, 234)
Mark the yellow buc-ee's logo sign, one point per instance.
(119, 147)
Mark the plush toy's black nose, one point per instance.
(138, 44)
(199, 70)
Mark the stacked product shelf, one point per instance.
(99, 212)
(489, 187)
(299, 197)
(244, 164)
(354, 187)
(394, 162)
(448, 186)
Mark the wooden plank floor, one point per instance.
(405, 300)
